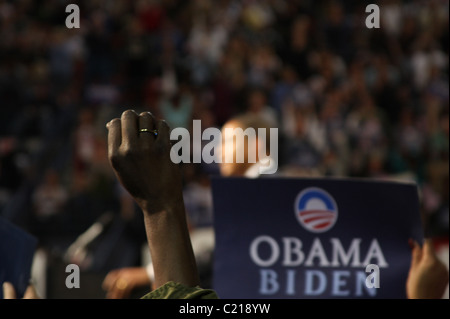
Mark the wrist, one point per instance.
(152, 207)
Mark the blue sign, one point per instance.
(313, 238)
(17, 249)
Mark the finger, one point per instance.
(146, 121)
(416, 254)
(129, 127)
(428, 248)
(114, 136)
(121, 294)
(31, 293)
(163, 132)
(110, 280)
(8, 291)
(116, 294)
(121, 289)
(112, 294)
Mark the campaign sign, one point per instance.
(313, 238)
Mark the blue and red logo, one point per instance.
(316, 210)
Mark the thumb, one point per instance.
(8, 291)
(416, 253)
(428, 249)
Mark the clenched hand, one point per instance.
(141, 160)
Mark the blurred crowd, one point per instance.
(348, 100)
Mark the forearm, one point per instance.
(139, 151)
(170, 246)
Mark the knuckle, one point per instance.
(134, 152)
(115, 158)
(146, 114)
(129, 113)
(113, 122)
(165, 125)
(127, 152)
